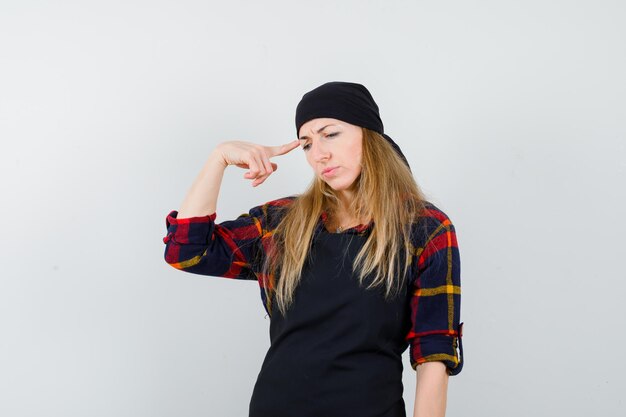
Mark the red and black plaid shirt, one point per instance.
(236, 249)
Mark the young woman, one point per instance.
(352, 272)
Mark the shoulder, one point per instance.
(432, 222)
(282, 202)
(271, 212)
(278, 205)
(434, 214)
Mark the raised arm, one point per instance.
(195, 243)
(201, 199)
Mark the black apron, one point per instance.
(338, 351)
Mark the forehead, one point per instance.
(312, 126)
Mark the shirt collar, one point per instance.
(359, 229)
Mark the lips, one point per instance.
(329, 170)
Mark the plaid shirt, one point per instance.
(236, 248)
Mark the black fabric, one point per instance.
(338, 352)
(350, 102)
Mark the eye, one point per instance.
(330, 135)
(306, 147)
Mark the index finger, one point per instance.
(283, 149)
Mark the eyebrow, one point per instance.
(319, 131)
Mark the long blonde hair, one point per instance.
(384, 191)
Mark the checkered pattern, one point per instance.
(236, 249)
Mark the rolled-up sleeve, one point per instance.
(435, 305)
(199, 245)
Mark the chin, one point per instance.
(340, 186)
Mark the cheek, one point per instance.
(358, 159)
(308, 159)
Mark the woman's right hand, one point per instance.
(254, 157)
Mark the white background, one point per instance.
(511, 114)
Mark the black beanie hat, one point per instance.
(349, 102)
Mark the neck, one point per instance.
(345, 197)
(343, 216)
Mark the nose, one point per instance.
(319, 151)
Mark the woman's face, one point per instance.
(333, 149)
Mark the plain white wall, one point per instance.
(511, 114)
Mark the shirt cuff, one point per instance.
(438, 347)
(188, 229)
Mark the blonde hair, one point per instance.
(385, 191)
